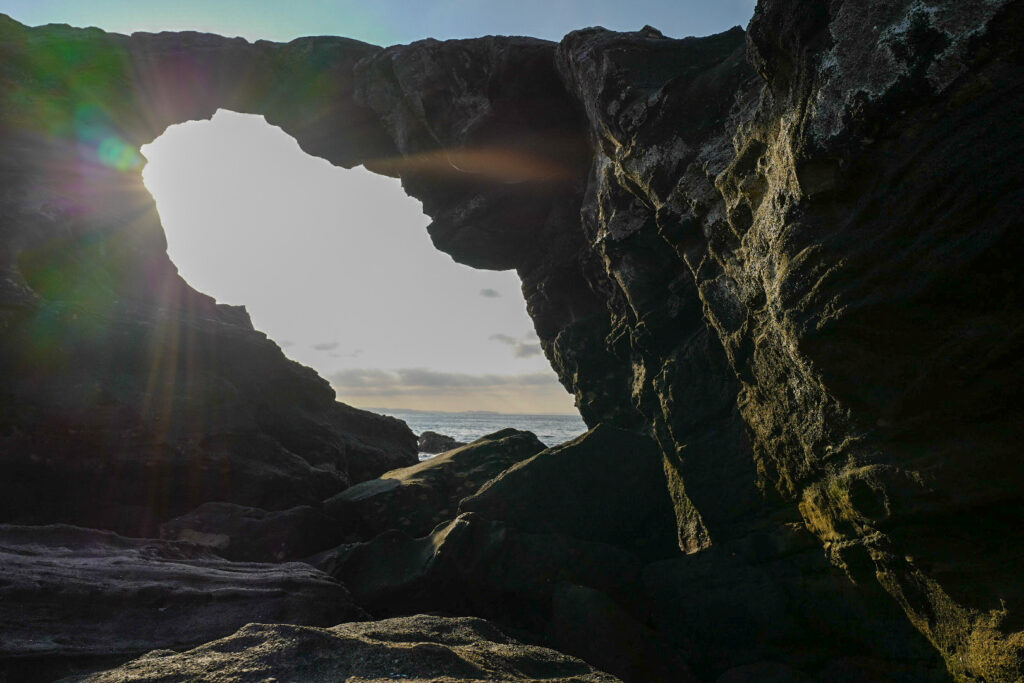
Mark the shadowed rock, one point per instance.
(418, 498)
(246, 534)
(607, 485)
(573, 595)
(455, 650)
(432, 442)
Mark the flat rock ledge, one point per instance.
(416, 648)
(75, 596)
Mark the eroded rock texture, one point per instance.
(72, 597)
(789, 256)
(421, 648)
(418, 498)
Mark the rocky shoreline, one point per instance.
(778, 268)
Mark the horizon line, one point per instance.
(463, 412)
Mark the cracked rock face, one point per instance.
(790, 256)
(418, 648)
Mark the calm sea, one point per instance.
(550, 429)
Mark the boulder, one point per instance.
(73, 598)
(420, 647)
(607, 485)
(577, 596)
(416, 499)
(432, 442)
(475, 566)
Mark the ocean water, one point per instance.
(550, 429)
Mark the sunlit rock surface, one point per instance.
(418, 498)
(420, 648)
(790, 256)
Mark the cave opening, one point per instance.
(336, 266)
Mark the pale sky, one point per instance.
(334, 264)
(337, 267)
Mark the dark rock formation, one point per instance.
(467, 563)
(71, 598)
(247, 534)
(129, 398)
(574, 595)
(791, 256)
(432, 442)
(418, 498)
(456, 650)
(556, 491)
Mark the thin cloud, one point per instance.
(526, 350)
(357, 378)
(326, 346)
(489, 293)
(521, 348)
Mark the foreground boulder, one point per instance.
(71, 597)
(416, 499)
(607, 485)
(454, 650)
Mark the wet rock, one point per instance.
(416, 499)
(419, 647)
(432, 442)
(72, 597)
